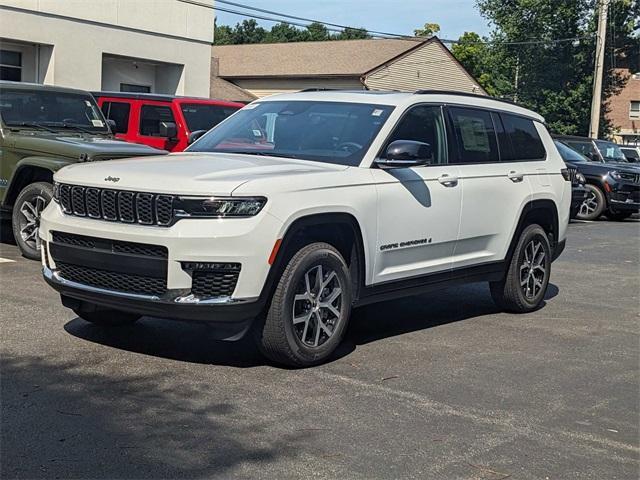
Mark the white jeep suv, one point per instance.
(302, 206)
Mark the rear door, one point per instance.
(494, 191)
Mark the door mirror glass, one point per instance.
(195, 135)
(406, 153)
(167, 129)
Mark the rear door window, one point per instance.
(119, 113)
(150, 118)
(526, 144)
(474, 136)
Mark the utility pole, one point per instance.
(596, 100)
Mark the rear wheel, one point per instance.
(309, 309)
(593, 205)
(525, 283)
(27, 209)
(108, 318)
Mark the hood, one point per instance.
(186, 173)
(71, 145)
(605, 167)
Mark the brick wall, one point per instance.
(619, 107)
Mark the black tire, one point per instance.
(108, 318)
(617, 216)
(278, 338)
(593, 205)
(512, 294)
(26, 217)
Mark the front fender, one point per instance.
(40, 163)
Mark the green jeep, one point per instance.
(42, 129)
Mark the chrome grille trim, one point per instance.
(117, 205)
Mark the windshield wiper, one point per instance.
(261, 153)
(31, 124)
(78, 127)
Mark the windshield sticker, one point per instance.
(377, 112)
(87, 103)
(97, 123)
(474, 135)
(257, 133)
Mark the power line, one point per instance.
(374, 33)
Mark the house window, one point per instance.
(634, 109)
(131, 87)
(10, 65)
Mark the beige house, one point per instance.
(247, 72)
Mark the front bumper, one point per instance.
(229, 318)
(623, 196)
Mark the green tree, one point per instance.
(223, 35)
(429, 30)
(318, 32)
(283, 32)
(555, 78)
(352, 34)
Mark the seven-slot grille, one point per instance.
(573, 172)
(117, 205)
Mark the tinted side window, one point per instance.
(585, 148)
(423, 123)
(474, 136)
(150, 118)
(524, 138)
(119, 113)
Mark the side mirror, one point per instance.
(195, 135)
(406, 153)
(112, 125)
(167, 129)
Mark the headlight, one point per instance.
(56, 192)
(216, 207)
(580, 178)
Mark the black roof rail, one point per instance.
(319, 89)
(465, 94)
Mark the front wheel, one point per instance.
(525, 283)
(309, 309)
(27, 209)
(593, 205)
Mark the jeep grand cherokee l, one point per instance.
(302, 206)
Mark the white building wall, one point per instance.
(81, 32)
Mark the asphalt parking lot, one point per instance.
(436, 386)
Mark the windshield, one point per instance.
(569, 154)
(200, 116)
(332, 132)
(610, 151)
(48, 108)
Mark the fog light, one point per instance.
(210, 267)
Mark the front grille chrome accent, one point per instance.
(117, 205)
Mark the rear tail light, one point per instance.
(565, 174)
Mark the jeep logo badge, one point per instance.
(112, 179)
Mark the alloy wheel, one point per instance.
(30, 212)
(589, 205)
(533, 269)
(317, 306)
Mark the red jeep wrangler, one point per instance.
(162, 121)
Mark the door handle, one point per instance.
(515, 177)
(448, 180)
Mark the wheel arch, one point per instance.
(30, 170)
(544, 212)
(340, 229)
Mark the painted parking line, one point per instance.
(6, 260)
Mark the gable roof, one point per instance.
(304, 59)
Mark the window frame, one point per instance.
(129, 114)
(447, 150)
(19, 68)
(633, 114)
(453, 145)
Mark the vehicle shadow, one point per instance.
(194, 343)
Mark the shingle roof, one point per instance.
(346, 57)
(221, 88)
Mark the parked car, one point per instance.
(42, 129)
(305, 205)
(632, 154)
(162, 121)
(578, 181)
(613, 184)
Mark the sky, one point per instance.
(395, 16)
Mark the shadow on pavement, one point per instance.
(64, 420)
(190, 342)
